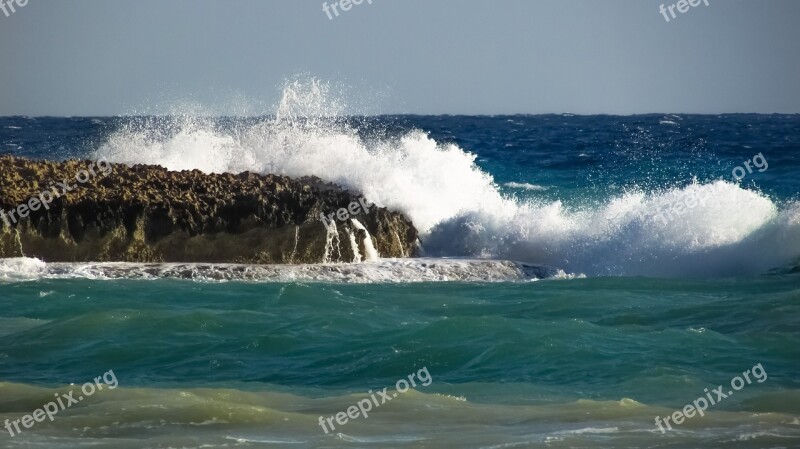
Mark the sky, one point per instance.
(231, 57)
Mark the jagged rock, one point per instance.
(146, 213)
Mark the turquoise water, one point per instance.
(578, 362)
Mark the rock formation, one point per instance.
(146, 213)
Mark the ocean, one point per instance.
(671, 284)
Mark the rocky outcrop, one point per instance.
(149, 214)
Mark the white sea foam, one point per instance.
(459, 208)
(15, 269)
(525, 185)
(381, 271)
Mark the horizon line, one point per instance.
(517, 114)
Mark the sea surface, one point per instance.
(581, 276)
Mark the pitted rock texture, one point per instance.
(146, 213)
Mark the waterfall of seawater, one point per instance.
(369, 248)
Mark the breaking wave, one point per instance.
(458, 207)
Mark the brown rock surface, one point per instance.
(149, 214)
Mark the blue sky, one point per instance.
(112, 57)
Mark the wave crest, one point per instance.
(460, 210)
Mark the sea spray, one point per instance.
(459, 208)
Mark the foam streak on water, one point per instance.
(382, 271)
